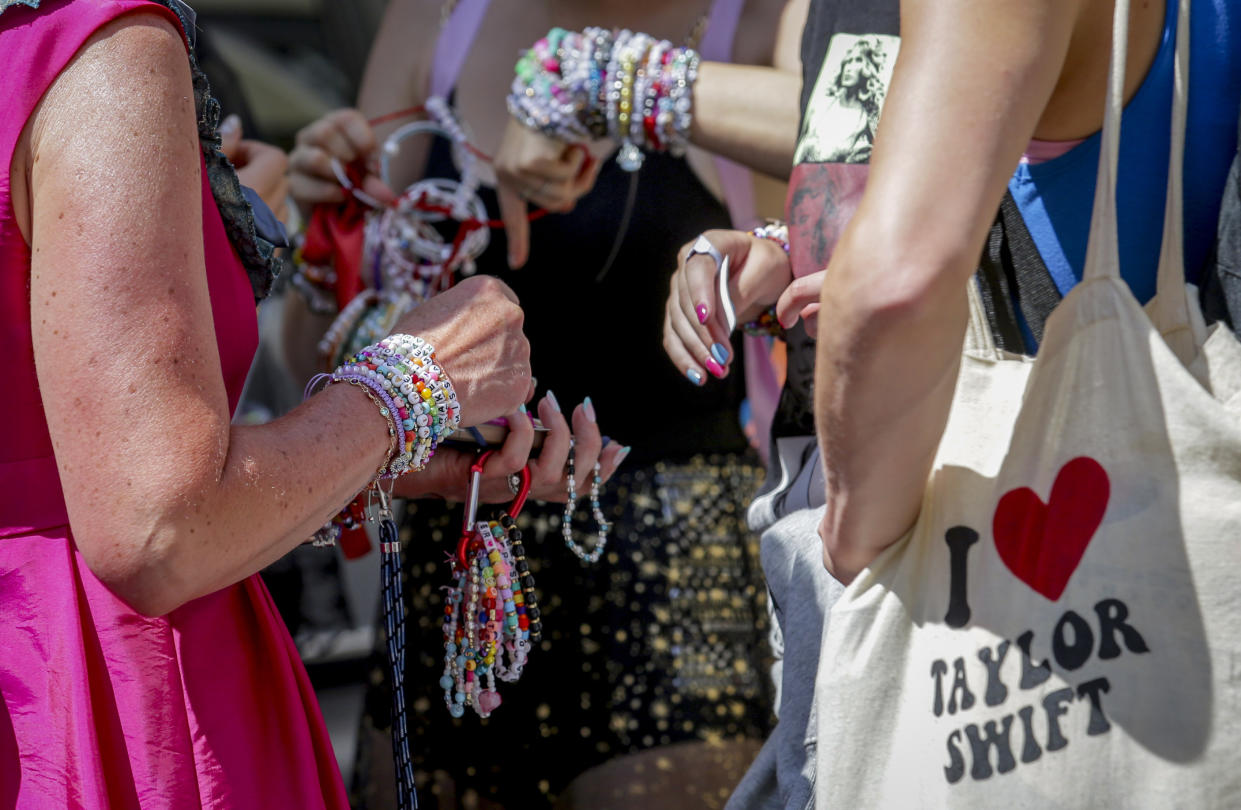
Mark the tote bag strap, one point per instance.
(979, 340)
(1182, 328)
(1170, 309)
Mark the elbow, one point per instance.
(897, 273)
(135, 569)
(844, 555)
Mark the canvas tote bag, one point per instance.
(1062, 626)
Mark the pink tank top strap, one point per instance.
(453, 45)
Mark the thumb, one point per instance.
(378, 189)
(230, 136)
(797, 296)
(516, 226)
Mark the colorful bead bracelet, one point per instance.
(622, 85)
(767, 324)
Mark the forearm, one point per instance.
(885, 372)
(301, 330)
(893, 299)
(747, 113)
(268, 489)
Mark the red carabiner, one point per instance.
(471, 504)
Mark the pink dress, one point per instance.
(208, 706)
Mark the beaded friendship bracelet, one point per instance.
(566, 526)
(767, 324)
(622, 85)
(416, 398)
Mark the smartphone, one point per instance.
(494, 434)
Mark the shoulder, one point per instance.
(134, 46)
(131, 68)
(401, 54)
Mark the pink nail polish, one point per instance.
(701, 309)
(714, 367)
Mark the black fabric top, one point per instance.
(832, 153)
(603, 338)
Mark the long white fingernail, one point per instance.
(550, 397)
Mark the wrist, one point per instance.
(628, 87)
(758, 292)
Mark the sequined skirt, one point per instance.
(662, 641)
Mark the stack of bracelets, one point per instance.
(632, 88)
(400, 375)
(767, 325)
(405, 257)
(490, 618)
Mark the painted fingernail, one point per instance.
(624, 451)
(720, 352)
(550, 397)
(230, 124)
(607, 440)
(588, 408)
(523, 409)
(695, 376)
(701, 309)
(714, 367)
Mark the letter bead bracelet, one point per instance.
(416, 398)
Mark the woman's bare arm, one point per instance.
(972, 82)
(166, 499)
(749, 113)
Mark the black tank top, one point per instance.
(603, 337)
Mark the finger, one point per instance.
(545, 192)
(312, 162)
(338, 132)
(586, 178)
(309, 191)
(354, 126)
(810, 320)
(547, 472)
(703, 308)
(331, 139)
(570, 163)
(798, 295)
(586, 445)
(513, 214)
(377, 188)
(561, 168)
(674, 347)
(611, 458)
(695, 338)
(515, 451)
(230, 137)
(265, 158)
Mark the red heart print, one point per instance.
(1043, 543)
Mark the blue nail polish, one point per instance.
(695, 376)
(606, 441)
(720, 352)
